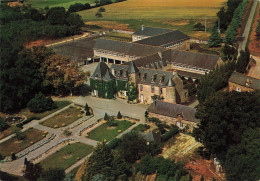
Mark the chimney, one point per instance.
(142, 27)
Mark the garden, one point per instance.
(66, 156)
(109, 129)
(64, 118)
(21, 141)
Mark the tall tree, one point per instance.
(215, 39)
(243, 61)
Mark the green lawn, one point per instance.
(66, 156)
(60, 105)
(63, 118)
(55, 3)
(8, 131)
(14, 145)
(104, 132)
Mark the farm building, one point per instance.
(243, 83)
(176, 114)
(150, 84)
(117, 52)
(188, 65)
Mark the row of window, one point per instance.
(173, 45)
(111, 53)
(152, 89)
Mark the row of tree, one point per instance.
(235, 23)
(257, 30)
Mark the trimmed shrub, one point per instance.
(170, 134)
(106, 117)
(40, 103)
(119, 116)
(13, 157)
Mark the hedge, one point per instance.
(170, 134)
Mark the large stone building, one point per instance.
(243, 83)
(150, 84)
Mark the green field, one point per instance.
(63, 118)
(104, 132)
(14, 145)
(66, 156)
(55, 3)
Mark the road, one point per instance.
(246, 33)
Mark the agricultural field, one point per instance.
(55, 3)
(175, 14)
(67, 156)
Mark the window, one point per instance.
(238, 89)
(160, 90)
(141, 87)
(152, 89)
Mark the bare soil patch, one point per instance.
(67, 156)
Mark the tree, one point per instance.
(243, 61)
(13, 156)
(3, 124)
(54, 174)
(146, 113)
(100, 162)
(41, 104)
(198, 27)
(119, 116)
(215, 39)
(223, 119)
(33, 171)
(132, 147)
(102, 9)
(87, 110)
(106, 117)
(99, 15)
(229, 52)
(25, 161)
(131, 92)
(62, 75)
(1, 157)
(222, 15)
(242, 160)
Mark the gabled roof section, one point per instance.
(173, 110)
(131, 49)
(100, 71)
(182, 58)
(152, 136)
(164, 39)
(151, 31)
(245, 80)
(132, 68)
(108, 76)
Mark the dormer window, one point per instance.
(126, 74)
(162, 79)
(154, 77)
(120, 73)
(144, 76)
(152, 89)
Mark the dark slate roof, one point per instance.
(102, 72)
(151, 31)
(183, 58)
(132, 68)
(164, 39)
(173, 110)
(244, 80)
(147, 76)
(132, 49)
(108, 76)
(152, 136)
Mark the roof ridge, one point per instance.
(246, 75)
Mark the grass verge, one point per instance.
(63, 118)
(67, 156)
(104, 132)
(14, 145)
